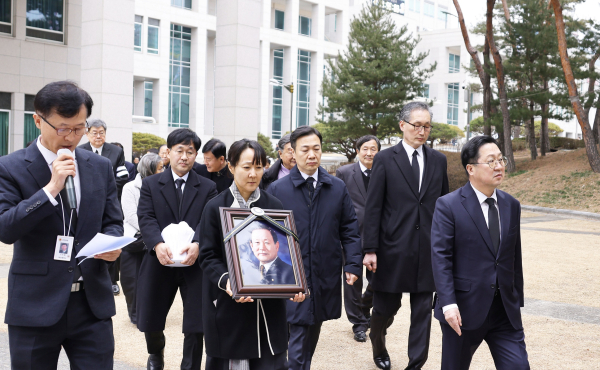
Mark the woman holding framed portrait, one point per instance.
(247, 333)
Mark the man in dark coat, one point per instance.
(357, 176)
(215, 165)
(58, 303)
(477, 264)
(406, 181)
(171, 197)
(328, 232)
(281, 168)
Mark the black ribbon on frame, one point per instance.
(258, 213)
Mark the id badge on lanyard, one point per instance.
(64, 243)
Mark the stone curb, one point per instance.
(566, 212)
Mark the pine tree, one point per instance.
(371, 81)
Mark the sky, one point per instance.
(474, 10)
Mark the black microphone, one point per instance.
(69, 183)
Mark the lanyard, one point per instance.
(63, 217)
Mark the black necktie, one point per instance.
(368, 172)
(493, 223)
(97, 152)
(179, 184)
(311, 188)
(415, 168)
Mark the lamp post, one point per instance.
(289, 88)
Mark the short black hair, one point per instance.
(216, 147)
(236, 149)
(183, 136)
(283, 142)
(63, 97)
(470, 151)
(366, 139)
(118, 144)
(304, 131)
(153, 150)
(262, 226)
(160, 147)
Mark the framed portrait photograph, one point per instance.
(263, 253)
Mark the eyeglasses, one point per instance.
(419, 128)
(65, 131)
(94, 134)
(492, 163)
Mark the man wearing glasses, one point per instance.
(52, 301)
(477, 265)
(406, 181)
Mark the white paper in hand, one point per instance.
(102, 243)
(177, 236)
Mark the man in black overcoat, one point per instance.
(171, 197)
(406, 181)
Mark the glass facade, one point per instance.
(148, 86)
(4, 118)
(442, 13)
(279, 19)
(414, 6)
(303, 89)
(429, 9)
(137, 33)
(304, 25)
(277, 94)
(6, 16)
(425, 93)
(153, 32)
(453, 63)
(179, 76)
(186, 4)
(31, 131)
(45, 19)
(453, 103)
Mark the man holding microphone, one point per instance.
(52, 301)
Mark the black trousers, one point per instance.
(302, 345)
(192, 348)
(358, 305)
(88, 341)
(130, 267)
(266, 362)
(113, 270)
(506, 343)
(385, 307)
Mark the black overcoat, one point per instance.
(398, 220)
(230, 328)
(327, 228)
(158, 284)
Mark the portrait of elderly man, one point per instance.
(269, 269)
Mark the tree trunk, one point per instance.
(544, 134)
(487, 92)
(597, 123)
(592, 95)
(510, 167)
(582, 117)
(500, 132)
(531, 136)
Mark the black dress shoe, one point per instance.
(156, 362)
(116, 289)
(383, 361)
(360, 336)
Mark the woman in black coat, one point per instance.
(245, 333)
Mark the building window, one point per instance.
(31, 132)
(425, 92)
(304, 25)
(6, 17)
(148, 86)
(414, 6)
(453, 103)
(179, 79)
(277, 94)
(137, 33)
(454, 63)
(4, 119)
(186, 4)
(429, 9)
(153, 31)
(45, 19)
(279, 19)
(442, 13)
(303, 97)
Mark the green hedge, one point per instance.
(555, 143)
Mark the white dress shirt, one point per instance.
(268, 264)
(50, 157)
(314, 176)
(363, 168)
(410, 150)
(484, 208)
(184, 177)
(94, 149)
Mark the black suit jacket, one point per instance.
(279, 273)
(157, 209)
(397, 224)
(352, 176)
(465, 267)
(117, 159)
(223, 178)
(270, 175)
(38, 286)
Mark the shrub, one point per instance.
(555, 143)
(457, 177)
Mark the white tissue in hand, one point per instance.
(177, 236)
